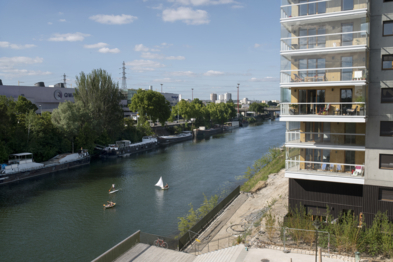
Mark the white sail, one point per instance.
(160, 183)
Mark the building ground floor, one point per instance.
(318, 198)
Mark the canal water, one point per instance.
(61, 217)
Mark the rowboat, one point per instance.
(113, 191)
(109, 205)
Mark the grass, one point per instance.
(274, 166)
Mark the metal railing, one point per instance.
(200, 247)
(317, 138)
(358, 38)
(320, 75)
(338, 169)
(324, 109)
(322, 7)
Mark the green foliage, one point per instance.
(274, 160)
(193, 216)
(152, 104)
(270, 223)
(257, 107)
(99, 96)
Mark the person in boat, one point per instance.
(166, 186)
(112, 188)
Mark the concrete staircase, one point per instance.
(235, 254)
(144, 252)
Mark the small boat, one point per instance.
(112, 189)
(160, 183)
(109, 205)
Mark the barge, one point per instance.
(202, 132)
(231, 125)
(125, 148)
(167, 140)
(22, 166)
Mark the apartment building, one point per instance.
(337, 99)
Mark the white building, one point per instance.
(227, 97)
(213, 97)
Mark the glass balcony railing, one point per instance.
(325, 168)
(302, 8)
(315, 138)
(325, 41)
(320, 75)
(324, 109)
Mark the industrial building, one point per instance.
(336, 92)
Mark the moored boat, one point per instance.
(124, 148)
(166, 140)
(22, 166)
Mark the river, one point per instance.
(60, 217)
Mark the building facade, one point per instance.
(227, 97)
(337, 97)
(213, 97)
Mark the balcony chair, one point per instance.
(323, 168)
(298, 78)
(352, 111)
(338, 169)
(358, 171)
(331, 168)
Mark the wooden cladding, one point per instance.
(340, 197)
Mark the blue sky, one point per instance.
(208, 45)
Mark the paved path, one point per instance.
(257, 254)
(216, 226)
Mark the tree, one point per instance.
(270, 103)
(23, 106)
(257, 107)
(99, 95)
(151, 104)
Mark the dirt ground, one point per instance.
(274, 197)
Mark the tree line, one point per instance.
(96, 117)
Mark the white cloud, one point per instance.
(50, 23)
(17, 60)
(202, 2)
(98, 45)
(68, 37)
(175, 57)
(186, 15)
(265, 79)
(62, 20)
(61, 13)
(149, 55)
(183, 73)
(237, 6)
(23, 72)
(155, 50)
(141, 48)
(107, 50)
(257, 45)
(15, 46)
(214, 73)
(114, 19)
(144, 65)
(167, 80)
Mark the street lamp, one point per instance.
(192, 90)
(316, 224)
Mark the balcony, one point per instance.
(325, 171)
(327, 10)
(341, 76)
(324, 43)
(324, 112)
(324, 140)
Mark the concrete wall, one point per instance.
(375, 144)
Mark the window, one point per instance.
(386, 194)
(312, 8)
(387, 62)
(388, 28)
(385, 161)
(388, 0)
(387, 95)
(386, 128)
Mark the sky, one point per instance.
(206, 45)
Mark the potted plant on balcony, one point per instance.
(360, 99)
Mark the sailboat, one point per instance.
(160, 183)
